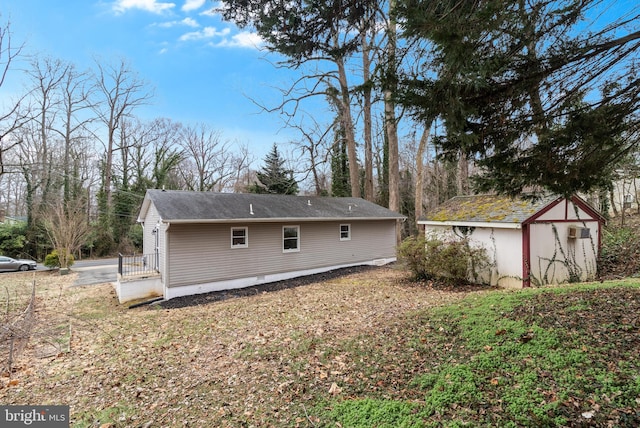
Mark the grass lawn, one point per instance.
(370, 349)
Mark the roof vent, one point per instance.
(309, 202)
(251, 209)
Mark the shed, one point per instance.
(198, 242)
(529, 241)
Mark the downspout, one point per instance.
(526, 255)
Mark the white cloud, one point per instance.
(189, 22)
(121, 6)
(210, 12)
(190, 5)
(213, 11)
(205, 33)
(243, 39)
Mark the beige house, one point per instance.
(198, 242)
(548, 240)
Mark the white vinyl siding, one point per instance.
(200, 253)
(151, 223)
(239, 237)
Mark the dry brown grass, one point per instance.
(251, 361)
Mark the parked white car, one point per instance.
(9, 264)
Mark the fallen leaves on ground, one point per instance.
(269, 358)
(254, 360)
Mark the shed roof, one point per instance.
(489, 209)
(175, 206)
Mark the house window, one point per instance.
(290, 239)
(345, 232)
(239, 237)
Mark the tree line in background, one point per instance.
(74, 154)
(424, 100)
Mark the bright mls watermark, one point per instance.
(34, 416)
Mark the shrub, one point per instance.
(103, 243)
(13, 238)
(435, 259)
(136, 236)
(412, 252)
(52, 260)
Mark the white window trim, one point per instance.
(348, 238)
(246, 237)
(294, 250)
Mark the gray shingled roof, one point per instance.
(488, 209)
(176, 206)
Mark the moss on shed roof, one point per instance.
(488, 208)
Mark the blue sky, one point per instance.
(201, 68)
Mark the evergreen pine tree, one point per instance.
(274, 177)
(538, 95)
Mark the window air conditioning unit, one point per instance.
(579, 232)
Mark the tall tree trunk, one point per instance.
(384, 173)
(420, 173)
(463, 174)
(539, 117)
(366, 94)
(108, 167)
(314, 169)
(612, 198)
(391, 125)
(347, 123)
(435, 179)
(67, 158)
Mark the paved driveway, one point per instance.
(95, 271)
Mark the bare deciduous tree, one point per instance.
(121, 92)
(46, 75)
(67, 227)
(75, 95)
(243, 174)
(209, 163)
(316, 151)
(10, 118)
